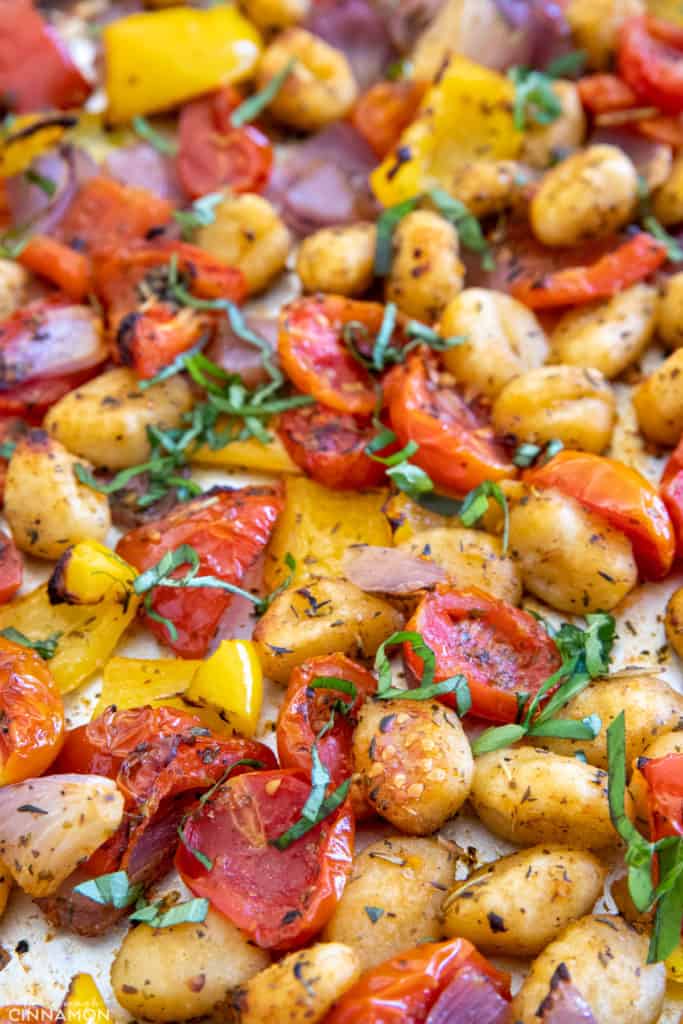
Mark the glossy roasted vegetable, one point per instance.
(158, 59)
(86, 605)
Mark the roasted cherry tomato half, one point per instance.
(105, 215)
(404, 989)
(622, 496)
(455, 446)
(330, 447)
(501, 650)
(213, 154)
(31, 712)
(664, 778)
(306, 712)
(651, 61)
(315, 356)
(381, 113)
(100, 747)
(228, 529)
(279, 898)
(671, 490)
(36, 71)
(11, 568)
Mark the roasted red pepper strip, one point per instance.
(604, 93)
(620, 495)
(634, 260)
(664, 777)
(106, 214)
(36, 71)
(60, 264)
(403, 990)
(381, 113)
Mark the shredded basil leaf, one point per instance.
(144, 130)
(427, 689)
(154, 914)
(387, 223)
(535, 98)
(476, 503)
(41, 181)
(256, 104)
(46, 648)
(114, 890)
(200, 214)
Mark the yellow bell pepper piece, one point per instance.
(318, 525)
(466, 115)
(83, 1003)
(231, 683)
(135, 682)
(159, 59)
(28, 137)
(88, 573)
(408, 518)
(88, 632)
(249, 454)
(674, 965)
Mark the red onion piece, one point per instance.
(564, 1004)
(324, 180)
(541, 34)
(390, 570)
(235, 355)
(29, 205)
(470, 999)
(357, 29)
(142, 166)
(64, 339)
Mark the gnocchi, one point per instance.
(658, 401)
(338, 260)
(426, 273)
(248, 233)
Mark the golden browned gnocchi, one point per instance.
(426, 272)
(528, 795)
(471, 558)
(322, 617)
(248, 233)
(658, 401)
(14, 280)
(183, 971)
(596, 24)
(608, 336)
(588, 195)
(668, 200)
(516, 905)
(673, 622)
(670, 312)
(106, 419)
(47, 507)
(569, 557)
(392, 901)
(503, 339)
(490, 186)
(545, 143)
(606, 961)
(565, 403)
(338, 260)
(414, 762)
(320, 87)
(650, 705)
(298, 990)
(275, 14)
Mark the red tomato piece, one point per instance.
(148, 333)
(213, 154)
(228, 529)
(622, 496)
(33, 398)
(668, 130)
(105, 215)
(455, 446)
(671, 490)
(650, 59)
(664, 778)
(101, 746)
(306, 711)
(280, 898)
(330, 447)
(403, 990)
(36, 71)
(63, 266)
(381, 114)
(11, 568)
(631, 262)
(31, 712)
(603, 93)
(315, 358)
(501, 650)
